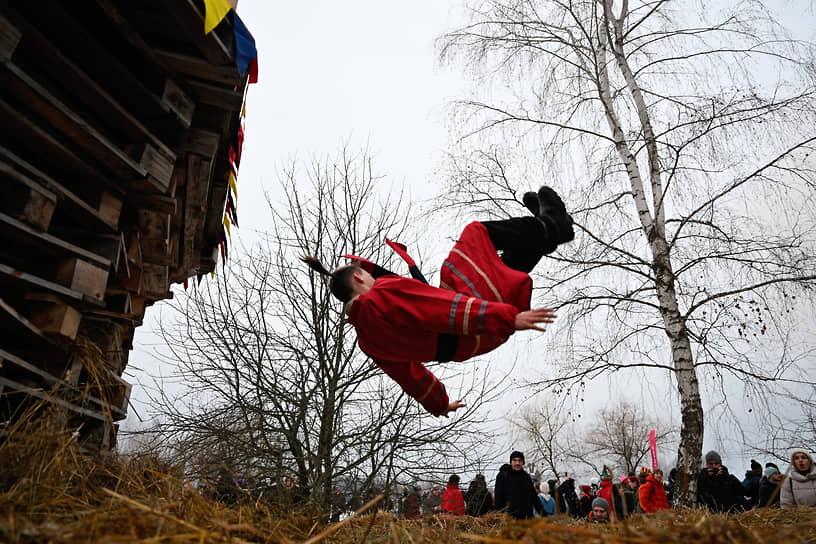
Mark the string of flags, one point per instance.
(246, 59)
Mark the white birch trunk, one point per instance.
(691, 431)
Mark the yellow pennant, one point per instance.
(227, 225)
(233, 186)
(214, 12)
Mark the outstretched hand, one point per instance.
(453, 406)
(531, 318)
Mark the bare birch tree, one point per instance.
(273, 382)
(690, 128)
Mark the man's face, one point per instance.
(713, 466)
(801, 462)
(436, 491)
(599, 513)
(516, 463)
(658, 476)
(632, 483)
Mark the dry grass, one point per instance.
(49, 492)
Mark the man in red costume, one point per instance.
(483, 298)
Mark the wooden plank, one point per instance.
(14, 277)
(189, 19)
(110, 208)
(155, 163)
(156, 283)
(61, 159)
(195, 209)
(72, 125)
(25, 200)
(21, 235)
(83, 277)
(106, 333)
(178, 102)
(52, 316)
(219, 97)
(141, 90)
(152, 202)
(18, 330)
(9, 38)
(86, 91)
(108, 246)
(78, 209)
(199, 68)
(40, 393)
(202, 142)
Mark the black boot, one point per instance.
(530, 200)
(549, 202)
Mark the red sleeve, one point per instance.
(420, 383)
(410, 303)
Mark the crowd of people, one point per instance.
(524, 496)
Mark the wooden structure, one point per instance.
(114, 167)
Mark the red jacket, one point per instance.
(652, 495)
(398, 322)
(605, 492)
(453, 503)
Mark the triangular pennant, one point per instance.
(227, 224)
(233, 185)
(214, 13)
(245, 51)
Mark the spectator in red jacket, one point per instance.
(453, 503)
(605, 492)
(652, 494)
(482, 300)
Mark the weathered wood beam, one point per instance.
(23, 236)
(24, 280)
(219, 97)
(83, 277)
(26, 200)
(101, 218)
(142, 87)
(199, 68)
(190, 22)
(85, 90)
(52, 315)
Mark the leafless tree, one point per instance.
(619, 437)
(547, 429)
(273, 384)
(691, 129)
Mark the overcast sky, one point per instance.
(362, 73)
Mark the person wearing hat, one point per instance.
(453, 503)
(717, 489)
(478, 500)
(652, 494)
(433, 502)
(769, 486)
(605, 492)
(800, 489)
(515, 493)
(751, 485)
(600, 511)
